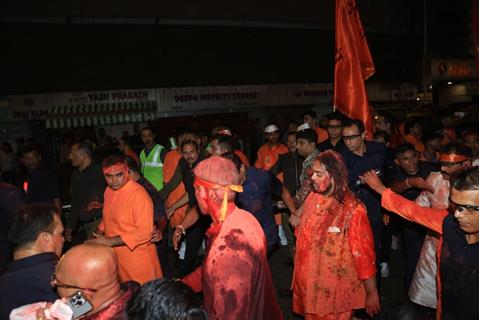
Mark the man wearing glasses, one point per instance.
(422, 290)
(360, 156)
(334, 127)
(37, 235)
(458, 254)
(93, 270)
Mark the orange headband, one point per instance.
(452, 157)
(212, 185)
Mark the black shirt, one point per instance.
(396, 174)
(373, 159)
(327, 145)
(27, 281)
(291, 164)
(86, 185)
(41, 186)
(459, 267)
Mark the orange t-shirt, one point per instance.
(267, 155)
(172, 159)
(128, 213)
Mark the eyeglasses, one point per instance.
(351, 137)
(463, 207)
(57, 284)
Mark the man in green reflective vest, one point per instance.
(152, 158)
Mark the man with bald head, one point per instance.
(235, 277)
(93, 270)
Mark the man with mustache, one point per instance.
(458, 252)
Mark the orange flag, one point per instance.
(353, 65)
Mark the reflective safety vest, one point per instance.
(152, 167)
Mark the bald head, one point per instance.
(89, 266)
(217, 170)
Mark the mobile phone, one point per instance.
(79, 304)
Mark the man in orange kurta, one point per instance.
(127, 224)
(335, 261)
(269, 153)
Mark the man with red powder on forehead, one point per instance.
(235, 277)
(127, 224)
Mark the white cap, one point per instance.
(271, 128)
(304, 126)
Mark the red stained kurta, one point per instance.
(235, 275)
(267, 155)
(128, 213)
(334, 252)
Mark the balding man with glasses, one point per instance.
(93, 270)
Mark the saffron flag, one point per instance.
(353, 65)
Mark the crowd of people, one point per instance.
(148, 228)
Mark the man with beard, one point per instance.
(195, 234)
(335, 261)
(235, 277)
(458, 250)
(269, 152)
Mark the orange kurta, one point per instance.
(128, 213)
(267, 155)
(172, 159)
(334, 253)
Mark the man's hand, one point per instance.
(420, 183)
(67, 234)
(156, 235)
(177, 235)
(94, 204)
(106, 241)
(372, 303)
(371, 178)
(294, 220)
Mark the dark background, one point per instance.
(60, 46)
